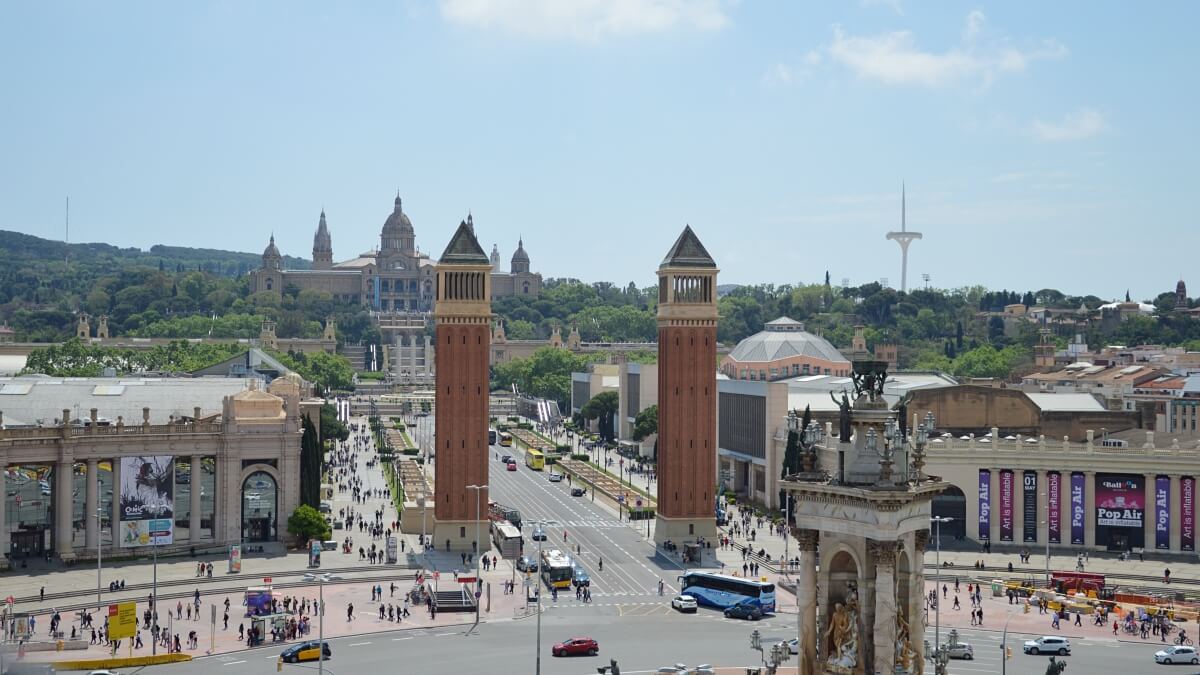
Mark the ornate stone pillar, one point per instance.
(884, 634)
(806, 595)
(63, 528)
(5, 547)
(91, 503)
(195, 484)
(916, 596)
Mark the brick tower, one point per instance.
(463, 314)
(687, 392)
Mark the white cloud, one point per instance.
(778, 75)
(587, 20)
(1076, 126)
(895, 58)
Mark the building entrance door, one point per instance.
(27, 543)
(257, 529)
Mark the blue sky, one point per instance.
(1042, 144)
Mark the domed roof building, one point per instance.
(783, 349)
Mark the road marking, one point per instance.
(358, 644)
(401, 639)
(234, 663)
(445, 634)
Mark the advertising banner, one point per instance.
(122, 620)
(1006, 505)
(1162, 512)
(314, 553)
(1077, 487)
(392, 553)
(1029, 510)
(1120, 500)
(1054, 507)
(147, 500)
(985, 505)
(235, 558)
(1187, 513)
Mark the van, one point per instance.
(330, 545)
(326, 507)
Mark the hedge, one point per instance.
(641, 513)
(562, 448)
(411, 451)
(550, 459)
(581, 457)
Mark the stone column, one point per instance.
(1089, 509)
(916, 596)
(412, 355)
(428, 359)
(5, 547)
(196, 508)
(63, 530)
(1149, 525)
(115, 522)
(884, 633)
(1176, 515)
(91, 503)
(806, 595)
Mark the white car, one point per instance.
(556, 477)
(1048, 644)
(1177, 654)
(960, 650)
(684, 603)
(794, 646)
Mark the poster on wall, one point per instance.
(1120, 500)
(985, 504)
(1029, 510)
(1054, 506)
(1162, 512)
(1187, 513)
(1006, 505)
(147, 500)
(1077, 513)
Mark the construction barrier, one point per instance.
(131, 662)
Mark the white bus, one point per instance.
(507, 539)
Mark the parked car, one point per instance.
(959, 650)
(526, 564)
(576, 647)
(743, 611)
(1048, 644)
(506, 459)
(555, 477)
(511, 466)
(1177, 654)
(305, 651)
(578, 491)
(579, 576)
(538, 534)
(794, 646)
(684, 603)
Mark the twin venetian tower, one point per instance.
(687, 390)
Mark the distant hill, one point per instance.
(726, 289)
(17, 248)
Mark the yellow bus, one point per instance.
(506, 439)
(534, 459)
(556, 569)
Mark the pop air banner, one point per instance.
(1006, 505)
(1187, 513)
(147, 500)
(1054, 504)
(1077, 514)
(1029, 510)
(985, 505)
(1162, 512)
(1120, 500)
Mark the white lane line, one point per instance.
(234, 663)
(358, 644)
(445, 634)
(401, 639)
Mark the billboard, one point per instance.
(235, 558)
(1077, 488)
(985, 504)
(122, 620)
(1120, 500)
(1054, 506)
(1162, 512)
(1006, 505)
(1187, 513)
(1029, 508)
(147, 500)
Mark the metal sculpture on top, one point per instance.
(869, 378)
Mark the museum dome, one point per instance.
(272, 251)
(397, 223)
(784, 338)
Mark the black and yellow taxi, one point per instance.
(305, 651)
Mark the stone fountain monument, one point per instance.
(864, 522)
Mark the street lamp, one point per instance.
(540, 524)
(939, 655)
(478, 585)
(1047, 524)
(99, 537)
(321, 580)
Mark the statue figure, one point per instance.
(902, 413)
(837, 632)
(843, 416)
(841, 637)
(906, 656)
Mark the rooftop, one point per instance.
(40, 400)
(784, 338)
(1066, 402)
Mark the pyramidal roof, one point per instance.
(688, 252)
(464, 248)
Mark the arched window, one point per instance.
(260, 507)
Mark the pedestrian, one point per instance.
(241, 631)
(980, 611)
(350, 612)
(42, 594)
(225, 626)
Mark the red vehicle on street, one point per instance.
(512, 466)
(576, 647)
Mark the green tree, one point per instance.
(307, 523)
(331, 427)
(311, 459)
(602, 407)
(645, 423)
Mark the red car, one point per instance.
(575, 647)
(512, 466)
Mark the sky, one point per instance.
(1040, 144)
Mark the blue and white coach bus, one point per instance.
(722, 590)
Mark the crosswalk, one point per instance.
(596, 523)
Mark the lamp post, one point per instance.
(478, 585)
(321, 580)
(538, 644)
(99, 537)
(939, 655)
(1047, 524)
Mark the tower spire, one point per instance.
(903, 237)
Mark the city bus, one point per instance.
(506, 439)
(507, 539)
(722, 590)
(556, 569)
(534, 459)
(491, 436)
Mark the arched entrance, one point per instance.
(951, 504)
(260, 507)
